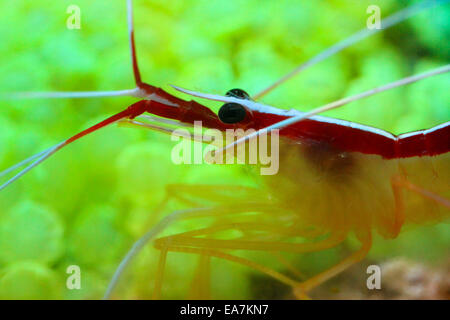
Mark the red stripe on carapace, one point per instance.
(341, 136)
(353, 139)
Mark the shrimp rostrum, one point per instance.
(334, 178)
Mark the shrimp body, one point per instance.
(339, 176)
(338, 191)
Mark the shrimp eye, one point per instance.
(231, 113)
(238, 93)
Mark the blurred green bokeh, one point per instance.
(87, 204)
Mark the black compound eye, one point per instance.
(232, 113)
(238, 93)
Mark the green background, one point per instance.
(87, 204)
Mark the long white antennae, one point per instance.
(70, 94)
(356, 37)
(43, 155)
(359, 96)
(24, 162)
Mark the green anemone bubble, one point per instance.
(30, 280)
(30, 231)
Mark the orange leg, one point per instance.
(254, 235)
(288, 265)
(399, 205)
(201, 286)
(195, 196)
(160, 273)
(425, 193)
(226, 256)
(300, 288)
(304, 287)
(189, 243)
(401, 182)
(190, 239)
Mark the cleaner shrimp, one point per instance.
(336, 178)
